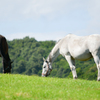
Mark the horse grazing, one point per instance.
(4, 54)
(73, 48)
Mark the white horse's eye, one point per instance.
(44, 67)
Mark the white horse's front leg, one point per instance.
(97, 61)
(98, 79)
(71, 62)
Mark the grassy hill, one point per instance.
(23, 87)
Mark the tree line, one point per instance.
(28, 53)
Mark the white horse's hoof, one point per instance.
(75, 78)
(98, 79)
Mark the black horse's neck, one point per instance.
(6, 58)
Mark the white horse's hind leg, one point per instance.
(97, 61)
(72, 65)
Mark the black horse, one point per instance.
(4, 54)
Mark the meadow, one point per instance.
(23, 87)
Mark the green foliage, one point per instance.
(28, 54)
(22, 87)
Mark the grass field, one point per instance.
(22, 87)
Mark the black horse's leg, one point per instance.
(4, 71)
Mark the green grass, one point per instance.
(22, 87)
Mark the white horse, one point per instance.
(73, 48)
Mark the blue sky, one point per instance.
(48, 19)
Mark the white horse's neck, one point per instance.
(53, 54)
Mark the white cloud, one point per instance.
(35, 8)
(94, 12)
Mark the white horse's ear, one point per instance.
(44, 59)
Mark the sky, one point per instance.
(48, 19)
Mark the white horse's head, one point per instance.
(47, 68)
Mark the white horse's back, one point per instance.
(94, 42)
(78, 47)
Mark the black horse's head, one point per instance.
(7, 66)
